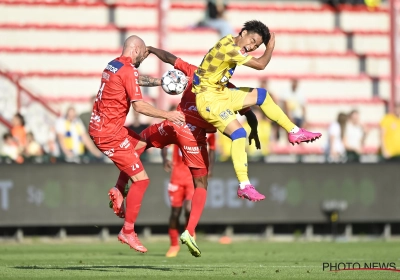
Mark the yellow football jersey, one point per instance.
(218, 65)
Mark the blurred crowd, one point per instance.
(68, 140)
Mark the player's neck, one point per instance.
(236, 39)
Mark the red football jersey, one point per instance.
(188, 102)
(119, 87)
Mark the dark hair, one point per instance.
(256, 26)
(21, 118)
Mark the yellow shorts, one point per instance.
(218, 107)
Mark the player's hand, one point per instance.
(175, 117)
(271, 43)
(167, 166)
(254, 136)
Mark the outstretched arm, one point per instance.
(163, 55)
(147, 109)
(147, 81)
(262, 62)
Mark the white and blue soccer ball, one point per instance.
(174, 82)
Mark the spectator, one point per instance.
(264, 134)
(73, 138)
(85, 116)
(215, 17)
(11, 149)
(335, 151)
(390, 135)
(32, 148)
(354, 137)
(295, 104)
(18, 130)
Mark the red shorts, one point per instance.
(190, 139)
(121, 150)
(180, 192)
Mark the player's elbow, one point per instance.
(261, 66)
(137, 106)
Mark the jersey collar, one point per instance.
(125, 59)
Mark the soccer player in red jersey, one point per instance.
(181, 189)
(191, 139)
(119, 90)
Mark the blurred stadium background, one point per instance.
(344, 56)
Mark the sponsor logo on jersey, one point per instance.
(192, 108)
(192, 150)
(114, 66)
(94, 118)
(109, 153)
(224, 115)
(125, 144)
(106, 76)
(161, 130)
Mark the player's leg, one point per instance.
(134, 199)
(176, 197)
(219, 111)
(187, 204)
(193, 144)
(128, 139)
(260, 96)
(117, 193)
(237, 133)
(200, 180)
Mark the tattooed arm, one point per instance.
(147, 81)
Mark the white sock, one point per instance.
(242, 185)
(294, 130)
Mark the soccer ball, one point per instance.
(174, 82)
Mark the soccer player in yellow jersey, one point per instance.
(216, 103)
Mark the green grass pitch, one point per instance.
(240, 260)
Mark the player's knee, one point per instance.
(238, 133)
(201, 182)
(187, 206)
(175, 213)
(261, 95)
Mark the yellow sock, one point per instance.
(239, 159)
(275, 113)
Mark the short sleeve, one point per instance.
(131, 85)
(211, 141)
(187, 68)
(235, 54)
